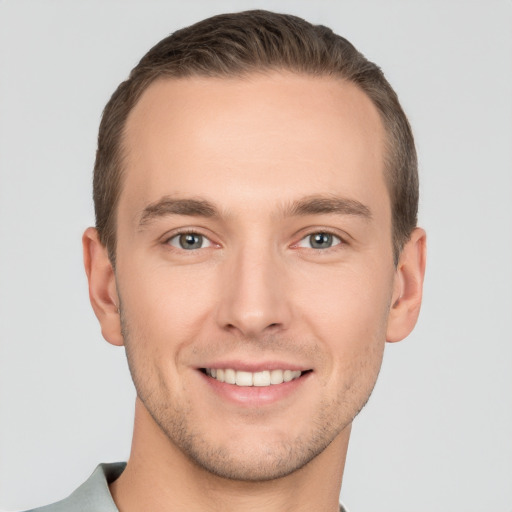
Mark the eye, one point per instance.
(189, 241)
(319, 240)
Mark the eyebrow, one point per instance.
(318, 205)
(170, 206)
(314, 205)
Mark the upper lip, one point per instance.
(253, 367)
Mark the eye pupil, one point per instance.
(191, 241)
(320, 240)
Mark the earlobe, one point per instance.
(408, 287)
(102, 286)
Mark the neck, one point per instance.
(161, 478)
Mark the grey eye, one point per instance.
(319, 240)
(189, 241)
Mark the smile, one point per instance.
(247, 379)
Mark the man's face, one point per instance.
(254, 244)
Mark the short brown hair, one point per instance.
(236, 44)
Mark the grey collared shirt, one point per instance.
(94, 494)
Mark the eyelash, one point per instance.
(179, 233)
(340, 240)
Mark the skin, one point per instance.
(264, 152)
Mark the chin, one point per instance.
(246, 453)
(267, 461)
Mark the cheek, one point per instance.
(164, 310)
(347, 310)
(175, 296)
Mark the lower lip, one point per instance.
(254, 396)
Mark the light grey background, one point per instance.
(437, 434)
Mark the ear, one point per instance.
(408, 287)
(102, 286)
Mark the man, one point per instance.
(255, 247)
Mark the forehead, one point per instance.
(273, 135)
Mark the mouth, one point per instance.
(253, 379)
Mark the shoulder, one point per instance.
(93, 495)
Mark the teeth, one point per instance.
(241, 378)
(261, 378)
(230, 376)
(276, 376)
(287, 376)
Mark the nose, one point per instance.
(253, 297)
